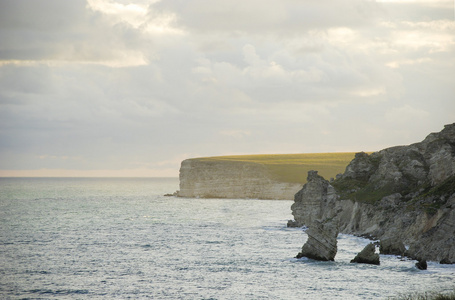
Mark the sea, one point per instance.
(121, 238)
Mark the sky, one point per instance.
(132, 88)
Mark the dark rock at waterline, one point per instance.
(367, 256)
(446, 261)
(174, 194)
(292, 224)
(421, 264)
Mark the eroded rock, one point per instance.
(322, 241)
(404, 192)
(422, 264)
(367, 256)
(314, 201)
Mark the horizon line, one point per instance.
(71, 173)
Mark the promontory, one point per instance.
(404, 196)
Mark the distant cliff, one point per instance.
(403, 194)
(274, 176)
(231, 179)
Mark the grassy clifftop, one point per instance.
(294, 167)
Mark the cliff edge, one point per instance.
(201, 178)
(262, 176)
(403, 194)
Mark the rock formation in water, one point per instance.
(421, 264)
(322, 241)
(201, 178)
(403, 195)
(313, 200)
(367, 256)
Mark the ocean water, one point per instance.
(82, 238)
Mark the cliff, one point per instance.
(271, 176)
(404, 194)
(231, 179)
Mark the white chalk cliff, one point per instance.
(202, 178)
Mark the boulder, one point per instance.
(421, 264)
(367, 256)
(322, 241)
(292, 224)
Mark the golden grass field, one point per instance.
(294, 167)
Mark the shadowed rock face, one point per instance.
(322, 241)
(367, 256)
(391, 246)
(405, 195)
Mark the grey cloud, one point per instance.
(41, 15)
(56, 30)
(282, 17)
(286, 77)
(418, 11)
(29, 29)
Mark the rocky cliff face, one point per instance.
(201, 178)
(404, 194)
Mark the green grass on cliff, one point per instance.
(294, 168)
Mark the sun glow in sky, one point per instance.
(131, 88)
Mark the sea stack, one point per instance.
(313, 200)
(322, 241)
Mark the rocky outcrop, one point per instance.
(200, 178)
(391, 246)
(313, 199)
(403, 194)
(322, 241)
(367, 256)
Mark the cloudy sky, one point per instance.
(131, 88)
